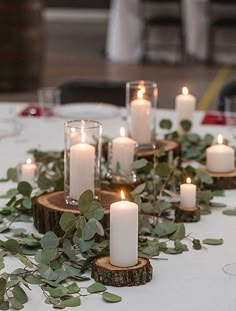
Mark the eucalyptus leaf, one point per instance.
(33, 279)
(12, 174)
(179, 234)
(24, 188)
(85, 245)
(165, 124)
(218, 193)
(151, 250)
(4, 228)
(72, 302)
(16, 304)
(24, 260)
(172, 251)
(213, 241)
(138, 164)
(62, 275)
(19, 294)
(90, 229)
(67, 220)
(49, 240)
(163, 169)
(27, 203)
(165, 228)
(204, 196)
(73, 288)
(217, 204)
(95, 211)
(47, 273)
(197, 244)
(51, 300)
(204, 177)
(69, 249)
(96, 288)
(186, 125)
(147, 207)
(3, 284)
(139, 189)
(85, 201)
(4, 305)
(12, 246)
(230, 212)
(205, 212)
(109, 297)
(57, 292)
(99, 228)
(44, 183)
(180, 246)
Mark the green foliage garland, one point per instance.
(57, 264)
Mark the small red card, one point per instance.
(214, 119)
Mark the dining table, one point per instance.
(193, 280)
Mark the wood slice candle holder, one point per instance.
(104, 272)
(171, 148)
(48, 208)
(187, 215)
(223, 180)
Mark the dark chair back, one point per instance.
(228, 90)
(112, 92)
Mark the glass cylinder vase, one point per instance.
(141, 103)
(83, 139)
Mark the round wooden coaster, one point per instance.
(187, 215)
(48, 208)
(104, 272)
(148, 151)
(223, 180)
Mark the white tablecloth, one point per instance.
(191, 281)
(125, 25)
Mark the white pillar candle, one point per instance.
(123, 150)
(123, 233)
(185, 105)
(188, 194)
(82, 162)
(28, 171)
(220, 158)
(141, 118)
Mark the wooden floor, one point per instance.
(75, 50)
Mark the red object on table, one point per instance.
(214, 119)
(33, 110)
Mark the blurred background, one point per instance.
(174, 43)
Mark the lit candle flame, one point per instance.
(73, 130)
(188, 180)
(140, 94)
(220, 139)
(28, 161)
(185, 90)
(122, 132)
(122, 195)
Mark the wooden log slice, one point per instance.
(223, 180)
(147, 151)
(187, 215)
(48, 208)
(104, 272)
